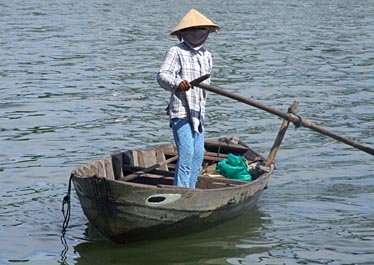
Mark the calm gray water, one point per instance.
(77, 82)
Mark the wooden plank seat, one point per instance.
(160, 177)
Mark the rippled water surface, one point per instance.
(78, 83)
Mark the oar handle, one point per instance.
(199, 80)
(288, 116)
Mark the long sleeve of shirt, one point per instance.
(168, 76)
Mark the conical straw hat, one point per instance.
(194, 19)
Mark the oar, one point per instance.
(149, 169)
(288, 116)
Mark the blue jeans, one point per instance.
(190, 145)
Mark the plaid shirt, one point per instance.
(183, 63)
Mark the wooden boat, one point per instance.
(125, 206)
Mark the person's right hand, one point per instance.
(184, 85)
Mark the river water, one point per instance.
(78, 83)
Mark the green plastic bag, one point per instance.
(233, 167)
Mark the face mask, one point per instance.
(195, 36)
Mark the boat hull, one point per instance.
(128, 211)
(124, 212)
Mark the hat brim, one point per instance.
(213, 28)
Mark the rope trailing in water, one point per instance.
(66, 203)
(300, 121)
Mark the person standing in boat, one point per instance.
(183, 63)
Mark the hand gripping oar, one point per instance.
(196, 81)
(297, 120)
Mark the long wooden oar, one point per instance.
(288, 116)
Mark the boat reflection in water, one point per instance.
(218, 243)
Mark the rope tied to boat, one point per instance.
(299, 122)
(66, 204)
